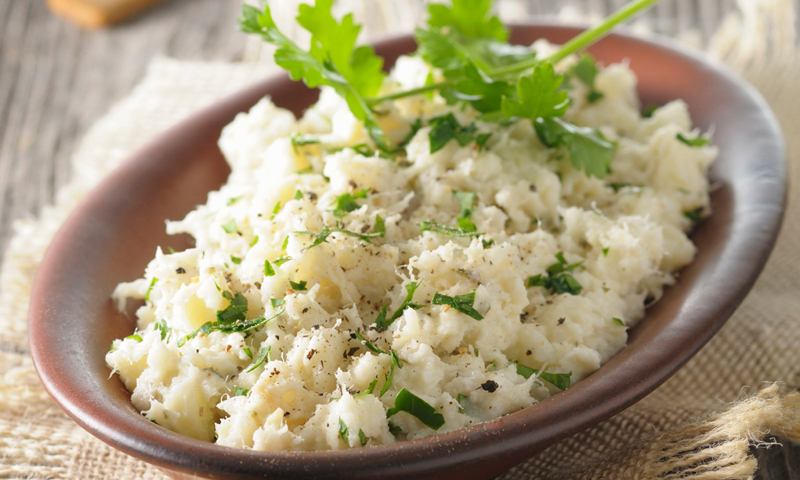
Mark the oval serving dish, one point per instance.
(113, 233)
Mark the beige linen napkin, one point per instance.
(700, 423)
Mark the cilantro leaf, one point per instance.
(298, 287)
(369, 389)
(462, 303)
(370, 346)
(276, 302)
(559, 380)
(695, 215)
(445, 230)
(587, 148)
(395, 361)
(238, 326)
(239, 391)
(479, 90)
(137, 338)
(229, 227)
(161, 326)
(280, 261)
(699, 141)
(362, 437)
(150, 289)
(539, 95)
(412, 404)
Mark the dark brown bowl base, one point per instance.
(112, 235)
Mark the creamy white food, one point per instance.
(627, 233)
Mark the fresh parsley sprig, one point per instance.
(462, 303)
(469, 45)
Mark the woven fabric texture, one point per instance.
(737, 391)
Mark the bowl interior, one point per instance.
(112, 235)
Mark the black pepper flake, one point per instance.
(533, 188)
(490, 386)
(180, 270)
(312, 196)
(352, 183)
(528, 352)
(351, 352)
(311, 354)
(305, 310)
(365, 229)
(561, 320)
(286, 414)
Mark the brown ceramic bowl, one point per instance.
(112, 235)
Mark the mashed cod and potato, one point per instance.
(315, 313)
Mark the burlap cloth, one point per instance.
(699, 424)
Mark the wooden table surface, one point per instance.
(56, 81)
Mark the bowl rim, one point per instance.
(505, 436)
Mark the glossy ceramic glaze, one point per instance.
(113, 234)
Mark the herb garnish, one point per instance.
(343, 431)
(559, 380)
(276, 302)
(236, 309)
(694, 215)
(150, 289)
(412, 404)
(229, 227)
(501, 81)
(557, 279)
(346, 203)
(699, 141)
(136, 337)
(231, 201)
(379, 230)
(382, 323)
(362, 437)
(466, 201)
(161, 326)
(462, 303)
(446, 128)
(280, 261)
(238, 391)
(299, 286)
(268, 270)
(262, 356)
(586, 70)
(446, 230)
(236, 260)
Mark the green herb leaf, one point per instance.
(346, 203)
(470, 18)
(605, 251)
(302, 140)
(586, 71)
(262, 356)
(238, 391)
(407, 303)
(230, 227)
(557, 280)
(236, 260)
(136, 337)
(276, 302)
(587, 148)
(280, 261)
(370, 346)
(649, 110)
(369, 389)
(253, 243)
(462, 402)
(695, 215)
(268, 270)
(361, 437)
(619, 322)
(395, 361)
(446, 128)
(298, 195)
(236, 309)
(699, 141)
(231, 201)
(319, 238)
(161, 326)
(150, 289)
(481, 140)
(299, 287)
(462, 303)
(412, 404)
(445, 230)
(559, 380)
(539, 95)
(333, 60)
(248, 352)
(343, 432)
(275, 210)
(466, 200)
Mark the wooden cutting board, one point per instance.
(98, 13)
